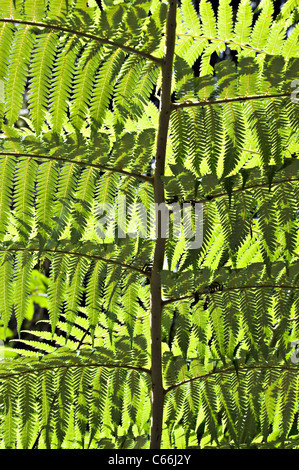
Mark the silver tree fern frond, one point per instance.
(149, 342)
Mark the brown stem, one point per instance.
(204, 293)
(190, 104)
(76, 366)
(82, 34)
(83, 255)
(232, 369)
(80, 163)
(159, 197)
(211, 197)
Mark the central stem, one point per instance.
(156, 291)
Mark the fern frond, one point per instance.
(17, 71)
(243, 23)
(225, 19)
(61, 81)
(141, 340)
(103, 87)
(41, 69)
